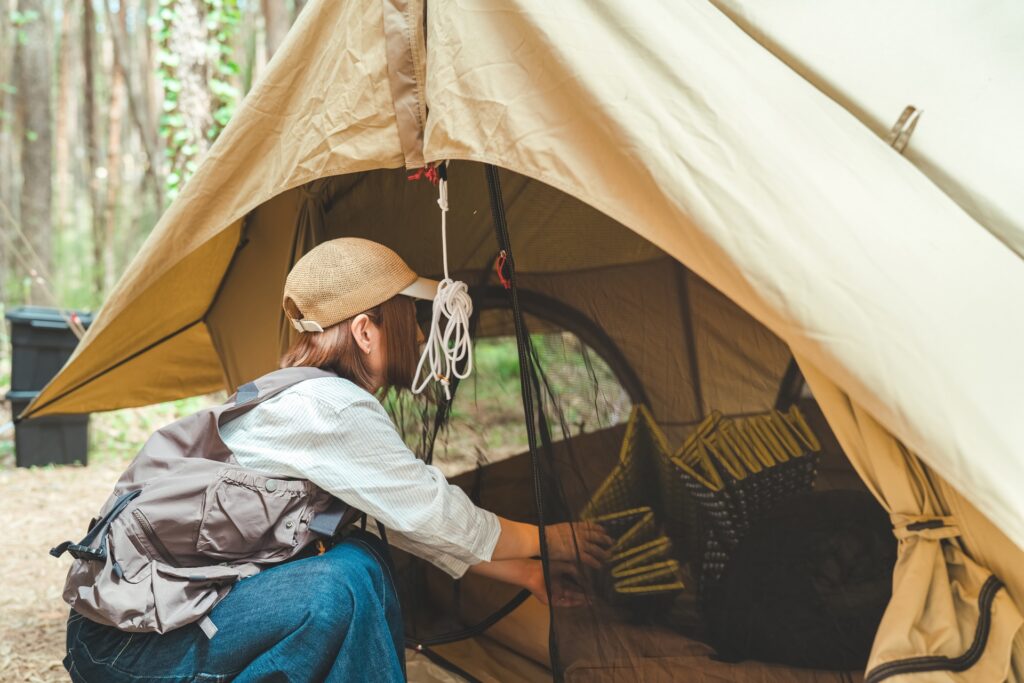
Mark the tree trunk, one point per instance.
(188, 41)
(138, 104)
(65, 117)
(276, 22)
(8, 264)
(33, 68)
(91, 150)
(110, 205)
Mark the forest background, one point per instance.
(106, 107)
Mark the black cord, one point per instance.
(477, 628)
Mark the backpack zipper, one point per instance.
(150, 532)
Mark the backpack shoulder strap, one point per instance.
(271, 384)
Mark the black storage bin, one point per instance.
(48, 440)
(41, 342)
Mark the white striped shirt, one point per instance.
(338, 436)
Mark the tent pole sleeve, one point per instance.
(406, 55)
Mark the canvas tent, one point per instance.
(713, 202)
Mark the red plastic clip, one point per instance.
(429, 172)
(499, 268)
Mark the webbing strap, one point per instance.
(84, 550)
(246, 393)
(526, 386)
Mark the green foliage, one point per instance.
(19, 20)
(222, 18)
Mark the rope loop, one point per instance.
(448, 346)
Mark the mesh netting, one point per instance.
(678, 492)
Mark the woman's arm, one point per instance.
(517, 540)
(566, 590)
(583, 541)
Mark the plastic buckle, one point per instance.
(84, 552)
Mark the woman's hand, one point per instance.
(566, 590)
(586, 542)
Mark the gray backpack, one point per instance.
(186, 521)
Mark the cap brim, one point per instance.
(423, 288)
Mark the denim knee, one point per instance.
(340, 582)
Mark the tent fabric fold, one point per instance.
(403, 36)
(939, 607)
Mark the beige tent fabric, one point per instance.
(990, 548)
(141, 354)
(771, 192)
(672, 122)
(403, 36)
(957, 62)
(934, 609)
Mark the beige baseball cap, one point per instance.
(344, 277)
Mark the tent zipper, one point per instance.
(965, 661)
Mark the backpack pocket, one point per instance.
(248, 516)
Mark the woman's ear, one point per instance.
(361, 332)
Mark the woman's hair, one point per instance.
(334, 349)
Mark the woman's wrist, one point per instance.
(517, 540)
(519, 572)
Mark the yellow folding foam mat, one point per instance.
(696, 463)
(643, 445)
(640, 555)
(659, 577)
(628, 527)
(802, 430)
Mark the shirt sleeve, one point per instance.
(354, 452)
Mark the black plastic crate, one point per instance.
(49, 440)
(41, 342)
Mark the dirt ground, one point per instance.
(39, 508)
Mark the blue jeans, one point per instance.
(331, 617)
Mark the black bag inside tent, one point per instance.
(808, 585)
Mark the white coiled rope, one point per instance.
(445, 348)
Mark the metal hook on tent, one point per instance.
(899, 134)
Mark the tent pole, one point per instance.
(526, 380)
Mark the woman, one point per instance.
(335, 616)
